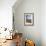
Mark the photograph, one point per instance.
(28, 19)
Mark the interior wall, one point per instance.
(43, 22)
(29, 32)
(6, 13)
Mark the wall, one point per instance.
(29, 32)
(6, 13)
(43, 22)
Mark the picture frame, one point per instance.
(28, 19)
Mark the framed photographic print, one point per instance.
(28, 19)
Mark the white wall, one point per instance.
(31, 32)
(43, 22)
(6, 13)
